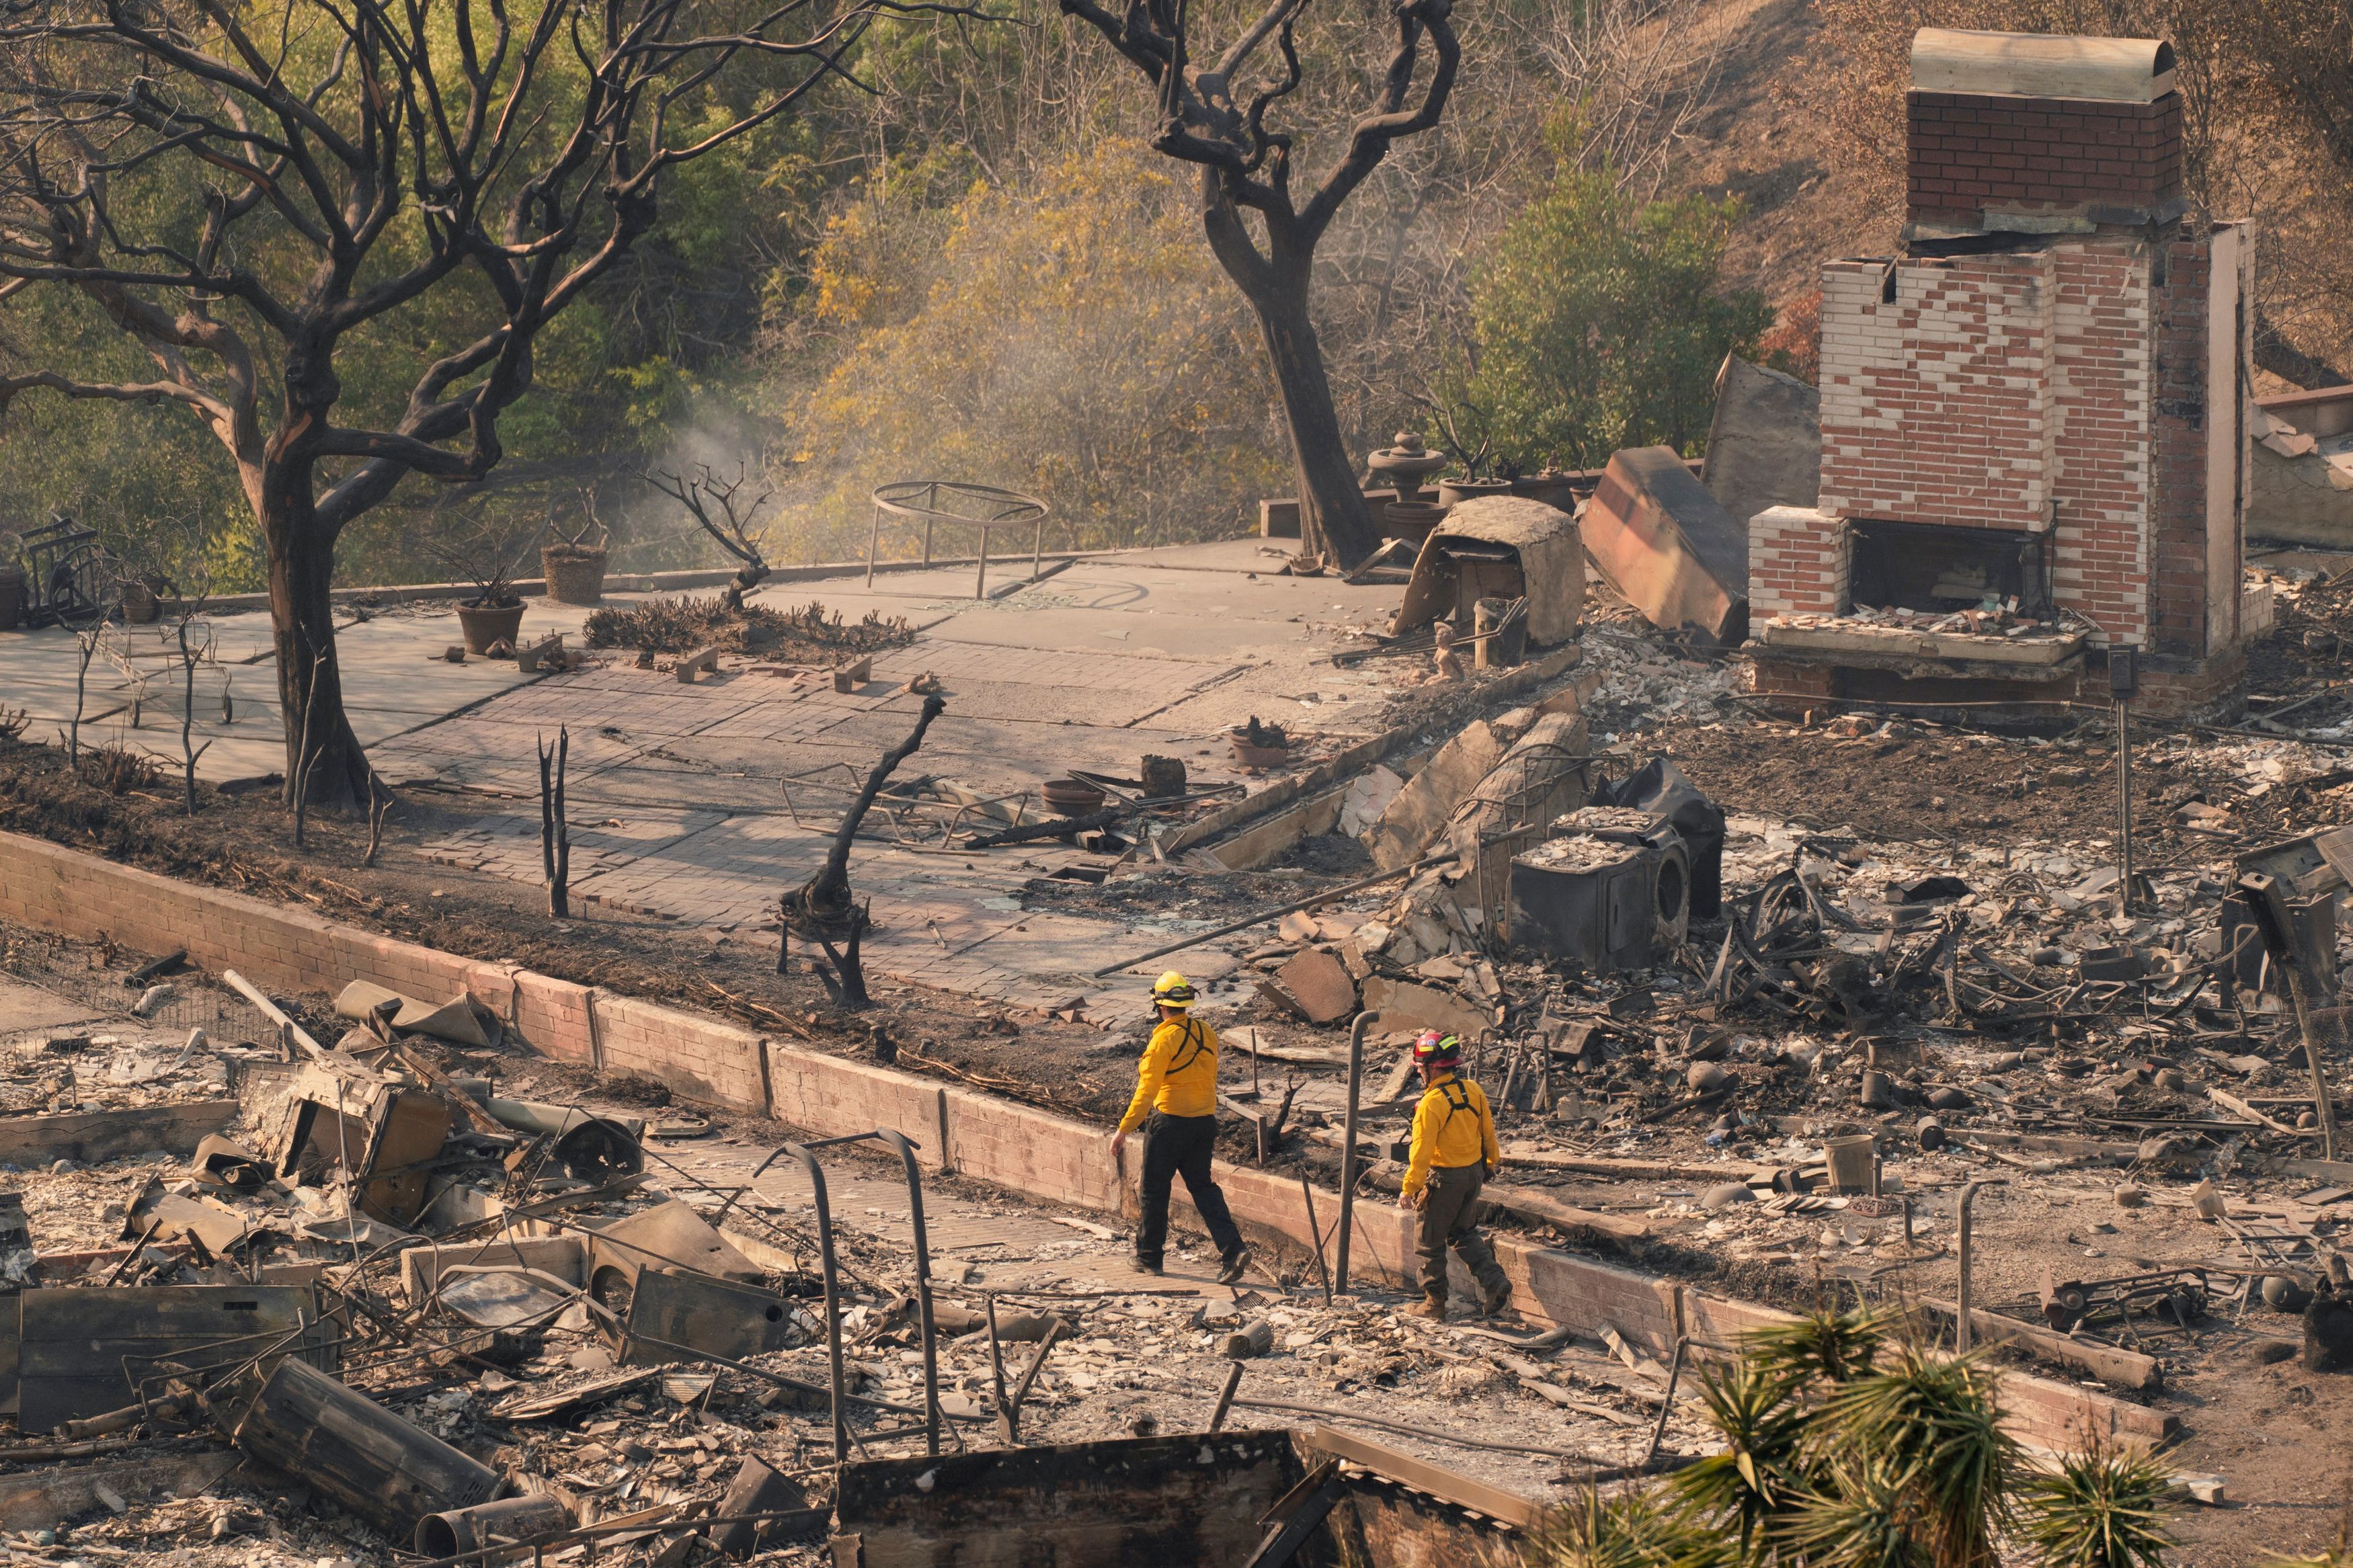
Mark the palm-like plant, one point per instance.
(1824, 1347)
(1761, 1472)
(1865, 1517)
(1634, 1528)
(2101, 1508)
(1933, 1424)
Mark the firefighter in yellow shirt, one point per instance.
(1454, 1152)
(1176, 1104)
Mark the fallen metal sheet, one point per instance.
(495, 1298)
(1765, 443)
(571, 1401)
(406, 1128)
(93, 1138)
(1666, 544)
(174, 1218)
(703, 1313)
(79, 1350)
(755, 1488)
(668, 1235)
(453, 1020)
(39, 1500)
(386, 1470)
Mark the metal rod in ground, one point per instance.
(1326, 897)
(898, 1141)
(1365, 1021)
(2322, 1106)
(1961, 1334)
(1317, 1231)
(1667, 1406)
(997, 1368)
(2123, 805)
(1226, 1399)
(832, 1297)
(1021, 1390)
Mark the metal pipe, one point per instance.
(2123, 807)
(1226, 1398)
(873, 543)
(1961, 1334)
(832, 1295)
(1365, 1021)
(922, 1289)
(980, 584)
(1316, 1231)
(1037, 546)
(1012, 1424)
(996, 1366)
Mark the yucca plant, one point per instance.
(1637, 1528)
(2104, 1507)
(1865, 1517)
(1932, 1427)
(1761, 1471)
(1824, 1347)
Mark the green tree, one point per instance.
(258, 200)
(1599, 322)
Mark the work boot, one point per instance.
(1144, 1265)
(1238, 1260)
(1433, 1306)
(1494, 1297)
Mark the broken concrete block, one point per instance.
(1370, 794)
(1507, 547)
(850, 677)
(1420, 808)
(1668, 546)
(702, 660)
(1765, 444)
(1319, 985)
(1254, 1340)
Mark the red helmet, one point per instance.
(1433, 1049)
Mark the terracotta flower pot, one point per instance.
(484, 625)
(1454, 492)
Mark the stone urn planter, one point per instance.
(483, 625)
(574, 573)
(1454, 492)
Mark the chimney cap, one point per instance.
(2041, 65)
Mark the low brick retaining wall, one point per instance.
(1034, 1153)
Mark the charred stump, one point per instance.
(823, 910)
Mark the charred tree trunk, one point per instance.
(1333, 517)
(554, 831)
(822, 910)
(303, 617)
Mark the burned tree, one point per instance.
(245, 193)
(731, 528)
(1246, 169)
(822, 909)
(554, 831)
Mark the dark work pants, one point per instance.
(1175, 1146)
(1449, 1217)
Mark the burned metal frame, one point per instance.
(899, 499)
(1365, 1021)
(906, 1148)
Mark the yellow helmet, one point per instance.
(1172, 990)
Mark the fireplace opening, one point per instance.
(1938, 568)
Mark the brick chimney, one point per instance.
(2028, 134)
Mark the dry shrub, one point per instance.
(811, 633)
(12, 722)
(115, 768)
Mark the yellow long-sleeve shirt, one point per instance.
(1452, 1128)
(1178, 1075)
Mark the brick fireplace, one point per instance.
(2035, 431)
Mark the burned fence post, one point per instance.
(1962, 1325)
(1365, 1021)
(555, 832)
(823, 910)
